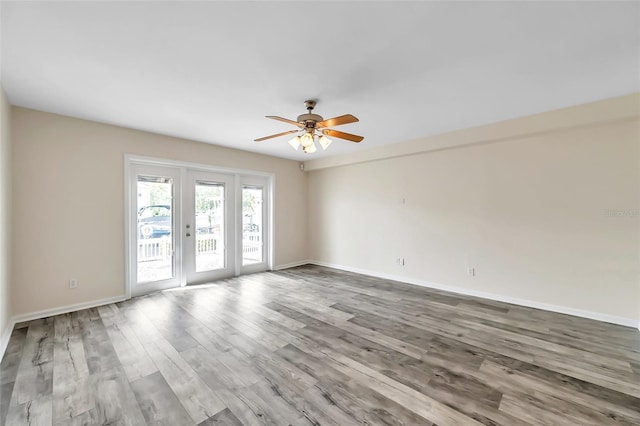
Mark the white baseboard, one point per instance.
(68, 308)
(6, 333)
(291, 265)
(627, 322)
(5, 336)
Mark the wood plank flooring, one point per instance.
(316, 346)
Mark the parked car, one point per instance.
(154, 221)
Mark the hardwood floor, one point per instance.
(316, 346)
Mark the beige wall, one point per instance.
(527, 212)
(68, 186)
(5, 213)
(524, 207)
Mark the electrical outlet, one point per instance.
(400, 261)
(471, 272)
(73, 283)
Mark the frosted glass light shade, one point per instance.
(324, 142)
(306, 140)
(295, 143)
(310, 149)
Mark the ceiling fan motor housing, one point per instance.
(308, 119)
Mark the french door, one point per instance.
(155, 199)
(191, 226)
(208, 227)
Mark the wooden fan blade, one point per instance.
(286, 120)
(337, 121)
(276, 135)
(342, 135)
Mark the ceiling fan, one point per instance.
(308, 124)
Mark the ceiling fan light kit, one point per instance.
(295, 142)
(309, 124)
(306, 140)
(309, 149)
(324, 142)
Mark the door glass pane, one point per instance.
(155, 229)
(210, 229)
(252, 225)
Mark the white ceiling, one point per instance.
(211, 71)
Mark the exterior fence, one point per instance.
(150, 249)
(251, 246)
(154, 249)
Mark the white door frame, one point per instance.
(130, 160)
